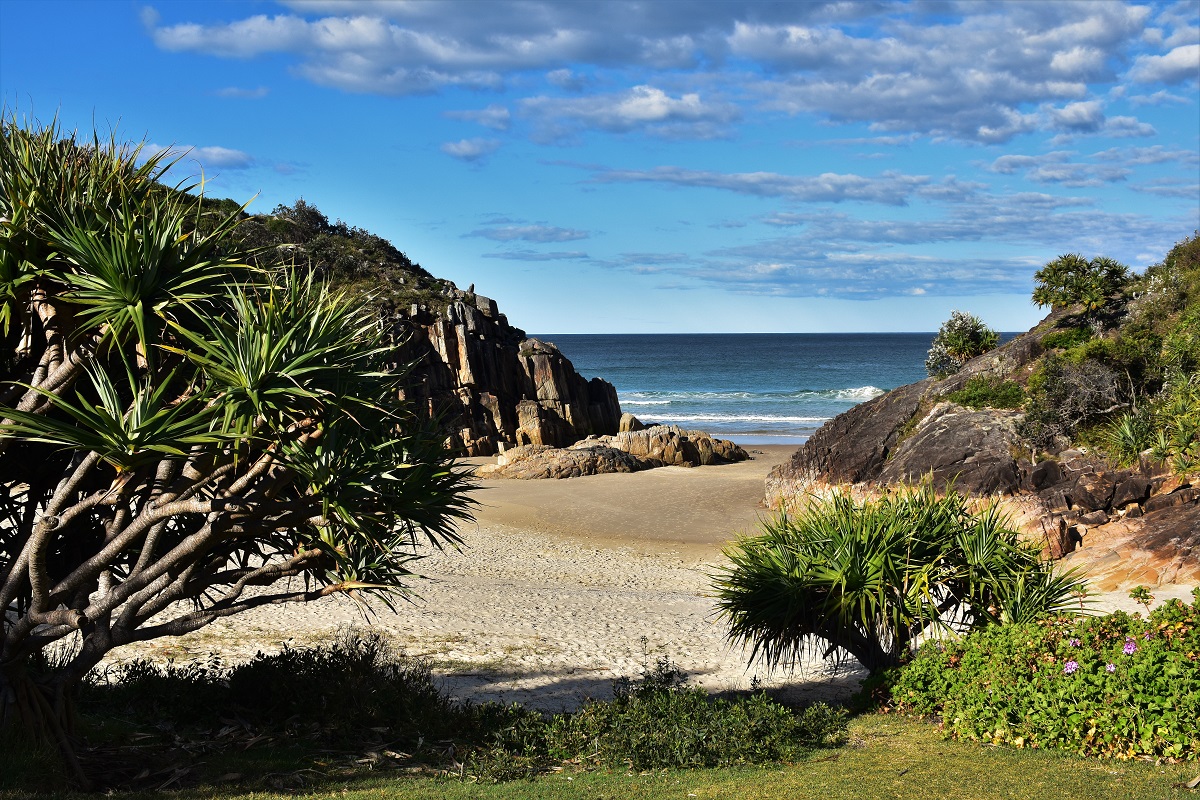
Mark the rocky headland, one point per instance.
(489, 386)
(1123, 526)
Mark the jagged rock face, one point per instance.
(490, 387)
(628, 451)
(850, 448)
(971, 449)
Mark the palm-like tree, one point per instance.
(180, 433)
(866, 580)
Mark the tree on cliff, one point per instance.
(183, 437)
(1071, 279)
(961, 338)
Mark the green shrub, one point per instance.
(358, 691)
(1066, 338)
(961, 338)
(985, 391)
(660, 723)
(1071, 279)
(1065, 396)
(869, 579)
(1119, 686)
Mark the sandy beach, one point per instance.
(563, 586)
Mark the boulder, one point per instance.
(1133, 489)
(629, 423)
(971, 449)
(630, 451)
(1092, 491)
(1044, 473)
(531, 462)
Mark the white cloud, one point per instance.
(1156, 154)
(210, 157)
(890, 188)
(1078, 117)
(1181, 64)
(968, 71)
(470, 149)
(567, 80)
(530, 233)
(239, 93)
(645, 108)
(1160, 98)
(496, 117)
(533, 255)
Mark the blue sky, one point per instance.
(668, 166)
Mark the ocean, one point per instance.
(751, 388)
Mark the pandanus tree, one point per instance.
(1071, 279)
(867, 580)
(183, 436)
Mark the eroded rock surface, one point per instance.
(488, 385)
(628, 451)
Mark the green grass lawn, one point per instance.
(886, 757)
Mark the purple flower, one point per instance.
(1110, 667)
(1146, 636)
(1070, 667)
(1074, 643)
(1130, 647)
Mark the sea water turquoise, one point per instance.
(752, 388)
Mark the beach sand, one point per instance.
(563, 586)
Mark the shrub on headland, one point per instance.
(1119, 686)
(962, 337)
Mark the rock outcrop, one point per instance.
(856, 447)
(971, 449)
(490, 387)
(1124, 526)
(628, 451)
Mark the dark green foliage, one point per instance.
(1118, 686)
(352, 684)
(658, 722)
(1071, 279)
(358, 692)
(987, 391)
(961, 338)
(1129, 390)
(1066, 395)
(869, 579)
(1066, 338)
(185, 422)
(348, 257)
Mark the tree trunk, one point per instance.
(40, 711)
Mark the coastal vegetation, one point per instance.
(357, 719)
(1118, 363)
(1121, 367)
(962, 337)
(869, 579)
(184, 424)
(1072, 279)
(1119, 686)
(199, 402)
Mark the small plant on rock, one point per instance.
(961, 338)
